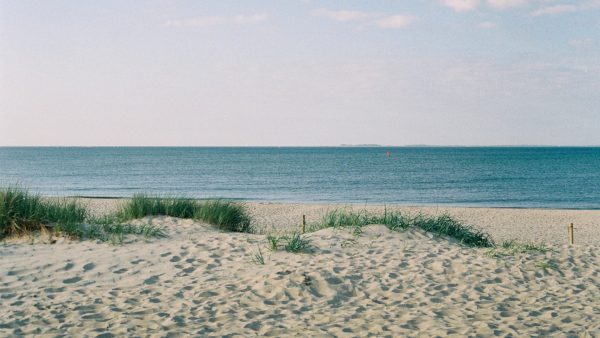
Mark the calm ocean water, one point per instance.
(496, 176)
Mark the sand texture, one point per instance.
(202, 282)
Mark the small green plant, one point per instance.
(258, 257)
(273, 242)
(545, 265)
(296, 243)
(512, 247)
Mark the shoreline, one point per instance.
(355, 204)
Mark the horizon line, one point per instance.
(311, 146)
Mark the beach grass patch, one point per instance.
(296, 243)
(142, 205)
(273, 242)
(513, 247)
(442, 225)
(258, 258)
(225, 215)
(22, 213)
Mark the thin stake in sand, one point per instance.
(303, 224)
(571, 235)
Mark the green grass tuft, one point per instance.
(22, 213)
(273, 242)
(142, 205)
(443, 225)
(225, 215)
(296, 243)
(512, 247)
(258, 258)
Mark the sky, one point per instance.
(299, 73)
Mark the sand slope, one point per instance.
(202, 282)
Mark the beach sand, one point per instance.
(202, 282)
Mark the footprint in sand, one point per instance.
(151, 280)
(189, 270)
(88, 267)
(72, 280)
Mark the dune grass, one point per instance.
(142, 205)
(22, 213)
(225, 215)
(294, 242)
(513, 247)
(443, 225)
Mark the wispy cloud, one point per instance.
(567, 8)
(506, 4)
(461, 5)
(582, 43)
(344, 15)
(556, 9)
(375, 18)
(207, 21)
(488, 25)
(396, 21)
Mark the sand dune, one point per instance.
(537, 225)
(203, 282)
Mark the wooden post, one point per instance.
(571, 235)
(303, 223)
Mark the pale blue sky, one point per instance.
(469, 72)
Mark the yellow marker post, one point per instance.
(571, 235)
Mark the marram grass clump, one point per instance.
(142, 205)
(22, 213)
(225, 215)
(443, 225)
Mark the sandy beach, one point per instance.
(202, 282)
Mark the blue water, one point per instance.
(496, 176)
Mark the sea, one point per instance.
(519, 177)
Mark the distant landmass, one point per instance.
(361, 145)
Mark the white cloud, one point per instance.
(586, 42)
(570, 8)
(461, 5)
(207, 21)
(505, 4)
(344, 15)
(488, 25)
(374, 18)
(556, 9)
(396, 21)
